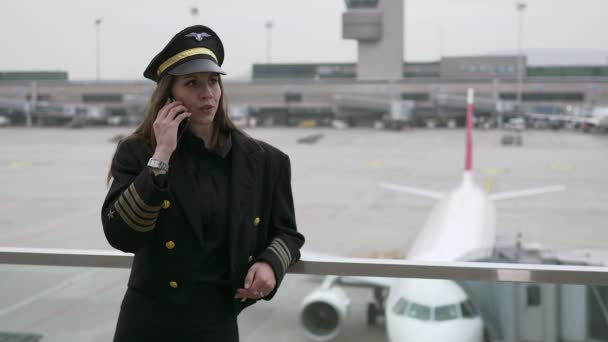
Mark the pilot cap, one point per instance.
(195, 49)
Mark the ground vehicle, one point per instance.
(4, 121)
(516, 124)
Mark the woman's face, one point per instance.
(199, 92)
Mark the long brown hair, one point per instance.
(145, 130)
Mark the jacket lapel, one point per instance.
(245, 163)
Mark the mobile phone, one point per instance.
(182, 128)
(182, 125)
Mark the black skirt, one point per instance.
(143, 318)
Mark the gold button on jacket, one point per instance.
(256, 221)
(166, 204)
(173, 284)
(250, 258)
(170, 244)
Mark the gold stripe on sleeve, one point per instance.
(279, 256)
(140, 202)
(128, 221)
(282, 243)
(139, 221)
(282, 253)
(145, 215)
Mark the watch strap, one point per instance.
(158, 164)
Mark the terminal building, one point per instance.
(288, 94)
(378, 86)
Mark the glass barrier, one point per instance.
(59, 303)
(82, 304)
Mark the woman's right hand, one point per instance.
(165, 128)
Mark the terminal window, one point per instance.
(533, 295)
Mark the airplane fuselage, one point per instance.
(461, 226)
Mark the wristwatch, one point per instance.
(158, 165)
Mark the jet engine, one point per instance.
(324, 312)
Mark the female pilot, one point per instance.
(206, 209)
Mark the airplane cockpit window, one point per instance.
(468, 310)
(418, 311)
(446, 312)
(400, 306)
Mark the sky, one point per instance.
(61, 34)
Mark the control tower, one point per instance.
(377, 25)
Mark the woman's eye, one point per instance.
(213, 80)
(191, 83)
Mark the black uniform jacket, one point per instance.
(158, 224)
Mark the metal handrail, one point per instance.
(500, 272)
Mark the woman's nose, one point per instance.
(205, 91)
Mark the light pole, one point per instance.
(521, 6)
(98, 22)
(194, 14)
(269, 24)
(440, 42)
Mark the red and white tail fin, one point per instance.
(468, 163)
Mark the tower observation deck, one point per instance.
(377, 25)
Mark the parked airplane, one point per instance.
(461, 227)
(599, 118)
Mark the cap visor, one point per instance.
(196, 65)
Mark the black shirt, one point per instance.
(212, 171)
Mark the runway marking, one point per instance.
(112, 285)
(19, 164)
(62, 310)
(491, 173)
(489, 183)
(66, 308)
(31, 299)
(376, 164)
(561, 167)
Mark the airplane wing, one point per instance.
(346, 280)
(577, 257)
(412, 191)
(499, 196)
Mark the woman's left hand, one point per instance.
(259, 282)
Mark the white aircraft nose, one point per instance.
(433, 337)
(434, 332)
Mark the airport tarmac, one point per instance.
(53, 183)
